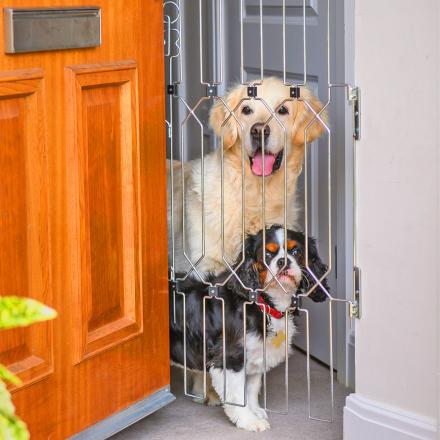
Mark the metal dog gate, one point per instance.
(214, 90)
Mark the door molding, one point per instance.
(109, 287)
(25, 242)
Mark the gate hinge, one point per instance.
(354, 96)
(172, 286)
(355, 306)
(172, 89)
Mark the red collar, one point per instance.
(275, 313)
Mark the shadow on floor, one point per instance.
(186, 420)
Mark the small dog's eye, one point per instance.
(283, 110)
(246, 110)
(295, 252)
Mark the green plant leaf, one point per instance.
(7, 376)
(6, 405)
(20, 312)
(12, 428)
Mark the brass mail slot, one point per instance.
(40, 29)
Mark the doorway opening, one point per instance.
(210, 47)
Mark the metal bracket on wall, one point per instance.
(355, 306)
(354, 95)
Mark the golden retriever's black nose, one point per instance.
(256, 131)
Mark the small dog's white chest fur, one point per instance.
(275, 346)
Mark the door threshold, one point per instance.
(127, 417)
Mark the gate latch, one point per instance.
(355, 309)
(172, 89)
(354, 96)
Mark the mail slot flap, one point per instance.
(41, 29)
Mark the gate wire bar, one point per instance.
(185, 370)
(212, 92)
(193, 266)
(202, 187)
(252, 92)
(329, 231)
(171, 58)
(317, 116)
(242, 70)
(318, 281)
(304, 83)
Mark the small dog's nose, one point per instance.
(281, 263)
(256, 131)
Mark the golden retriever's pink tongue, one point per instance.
(257, 164)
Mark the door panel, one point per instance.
(104, 182)
(24, 238)
(84, 190)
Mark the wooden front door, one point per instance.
(83, 219)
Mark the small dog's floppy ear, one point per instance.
(318, 269)
(219, 113)
(247, 272)
(303, 115)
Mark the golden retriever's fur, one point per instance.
(235, 134)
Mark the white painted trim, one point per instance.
(350, 358)
(365, 419)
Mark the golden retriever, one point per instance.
(247, 128)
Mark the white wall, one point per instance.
(397, 339)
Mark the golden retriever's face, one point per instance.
(254, 127)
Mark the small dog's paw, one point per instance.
(199, 400)
(253, 424)
(213, 399)
(260, 413)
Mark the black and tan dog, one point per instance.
(287, 263)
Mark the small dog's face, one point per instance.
(253, 125)
(286, 260)
(281, 259)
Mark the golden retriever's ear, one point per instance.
(304, 115)
(219, 113)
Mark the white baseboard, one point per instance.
(365, 419)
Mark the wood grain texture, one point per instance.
(78, 395)
(24, 231)
(103, 186)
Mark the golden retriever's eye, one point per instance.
(283, 110)
(246, 110)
